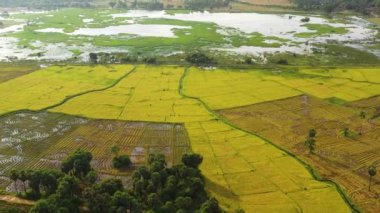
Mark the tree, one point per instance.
(199, 58)
(124, 200)
(192, 160)
(330, 6)
(77, 163)
(372, 171)
(169, 207)
(210, 206)
(312, 133)
(23, 177)
(14, 176)
(95, 201)
(154, 201)
(183, 202)
(362, 115)
(93, 58)
(68, 186)
(110, 186)
(346, 132)
(92, 177)
(156, 188)
(115, 150)
(49, 181)
(43, 206)
(34, 180)
(112, 4)
(310, 141)
(121, 162)
(5, 14)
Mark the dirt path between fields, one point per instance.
(15, 200)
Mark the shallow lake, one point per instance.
(280, 26)
(148, 30)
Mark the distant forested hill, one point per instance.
(363, 6)
(45, 3)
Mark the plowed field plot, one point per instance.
(43, 140)
(341, 157)
(10, 71)
(371, 106)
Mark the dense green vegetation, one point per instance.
(362, 6)
(322, 29)
(6, 207)
(156, 187)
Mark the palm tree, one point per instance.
(312, 133)
(372, 172)
(310, 141)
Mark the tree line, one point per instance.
(206, 4)
(363, 6)
(155, 187)
(46, 4)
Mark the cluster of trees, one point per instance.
(151, 5)
(147, 4)
(362, 6)
(45, 4)
(120, 161)
(105, 58)
(199, 58)
(118, 4)
(156, 188)
(206, 4)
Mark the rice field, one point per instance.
(241, 169)
(172, 110)
(232, 88)
(50, 86)
(149, 93)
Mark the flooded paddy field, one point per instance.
(40, 140)
(43, 36)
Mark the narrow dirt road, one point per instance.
(15, 200)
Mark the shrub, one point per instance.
(306, 19)
(283, 62)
